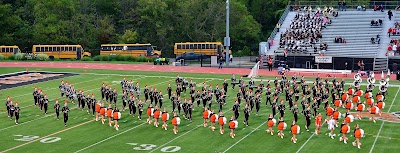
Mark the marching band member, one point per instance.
(57, 108)
(140, 109)
(65, 111)
(295, 129)
(16, 112)
(233, 124)
(271, 123)
(175, 122)
(165, 118)
(222, 122)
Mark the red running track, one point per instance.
(159, 68)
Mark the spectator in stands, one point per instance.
(394, 48)
(335, 14)
(390, 47)
(394, 31)
(359, 65)
(339, 5)
(375, 7)
(362, 65)
(364, 8)
(380, 21)
(390, 30)
(390, 14)
(381, 7)
(397, 8)
(378, 39)
(372, 40)
(278, 26)
(359, 8)
(344, 5)
(345, 66)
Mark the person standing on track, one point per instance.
(65, 111)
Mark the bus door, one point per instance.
(78, 53)
(219, 49)
(149, 51)
(15, 50)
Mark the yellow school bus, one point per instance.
(9, 50)
(206, 48)
(135, 50)
(60, 51)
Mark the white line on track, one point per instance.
(244, 137)
(383, 122)
(109, 138)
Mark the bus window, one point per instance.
(62, 49)
(203, 46)
(207, 46)
(58, 49)
(3, 50)
(69, 48)
(191, 46)
(214, 46)
(178, 46)
(7, 49)
(195, 46)
(51, 49)
(74, 48)
(187, 46)
(42, 49)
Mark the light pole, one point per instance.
(227, 40)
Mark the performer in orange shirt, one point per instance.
(97, 109)
(175, 122)
(381, 105)
(206, 115)
(150, 111)
(318, 123)
(233, 124)
(213, 119)
(222, 122)
(116, 115)
(109, 114)
(165, 118)
(360, 108)
(344, 130)
(374, 109)
(156, 116)
(295, 130)
(358, 133)
(281, 126)
(103, 111)
(271, 123)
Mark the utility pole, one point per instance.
(227, 39)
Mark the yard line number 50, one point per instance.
(147, 147)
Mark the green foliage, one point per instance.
(11, 57)
(72, 59)
(130, 59)
(57, 59)
(159, 22)
(2, 57)
(105, 58)
(97, 58)
(20, 56)
(120, 58)
(42, 57)
(86, 59)
(142, 59)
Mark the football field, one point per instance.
(38, 132)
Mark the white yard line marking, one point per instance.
(307, 140)
(383, 122)
(244, 137)
(109, 138)
(24, 144)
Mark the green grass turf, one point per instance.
(136, 136)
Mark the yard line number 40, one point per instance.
(147, 147)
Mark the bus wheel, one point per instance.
(51, 58)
